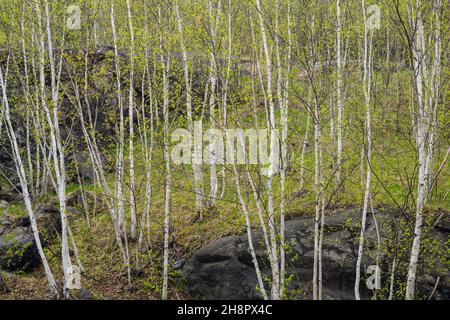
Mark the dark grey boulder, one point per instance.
(48, 219)
(223, 269)
(17, 247)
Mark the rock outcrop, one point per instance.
(224, 269)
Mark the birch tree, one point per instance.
(131, 126)
(20, 167)
(165, 63)
(340, 107)
(120, 152)
(367, 65)
(226, 85)
(52, 117)
(275, 293)
(196, 160)
(427, 98)
(212, 100)
(148, 145)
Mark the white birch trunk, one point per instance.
(317, 191)
(275, 292)
(120, 152)
(422, 152)
(340, 107)
(165, 62)
(57, 150)
(225, 90)
(248, 227)
(196, 161)
(24, 185)
(131, 126)
(212, 101)
(367, 94)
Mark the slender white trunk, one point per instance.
(24, 185)
(317, 192)
(131, 126)
(196, 161)
(57, 150)
(96, 159)
(367, 94)
(305, 143)
(340, 107)
(321, 228)
(421, 150)
(166, 69)
(225, 90)
(167, 185)
(248, 225)
(275, 293)
(212, 101)
(120, 151)
(148, 150)
(392, 278)
(283, 98)
(434, 89)
(317, 264)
